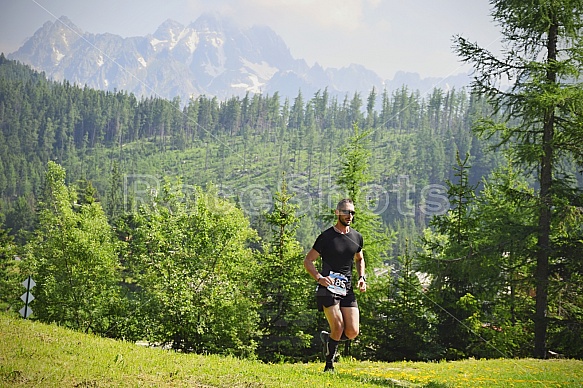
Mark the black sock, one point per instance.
(344, 337)
(331, 349)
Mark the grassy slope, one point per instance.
(34, 354)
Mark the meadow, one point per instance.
(41, 355)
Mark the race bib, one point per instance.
(339, 285)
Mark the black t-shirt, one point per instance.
(337, 251)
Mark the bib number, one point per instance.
(339, 285)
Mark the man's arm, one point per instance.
(360, 270)
(311, 257)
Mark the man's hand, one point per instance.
(325, 281)
(362, 285)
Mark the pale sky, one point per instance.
(383, 35)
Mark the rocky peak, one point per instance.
(211, 56)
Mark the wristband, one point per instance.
(318, 277)
(363, 278)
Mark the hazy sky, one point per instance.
(383, 35)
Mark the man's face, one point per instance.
(345, 214)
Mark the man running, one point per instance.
(339, 247)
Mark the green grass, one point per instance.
(39, 355)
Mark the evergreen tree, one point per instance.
(543, 109)
(353, 176)
(405, 326)
(11, 276)
(448, 256)
(115, 204)
(479, 259)
(284, 288)
(353, 179)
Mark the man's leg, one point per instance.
(350, 317)
(336, 321)
(351, 321)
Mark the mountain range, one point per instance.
(211, 57)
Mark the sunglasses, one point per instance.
(347, 212)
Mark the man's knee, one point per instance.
(336, 329)
(351, 333)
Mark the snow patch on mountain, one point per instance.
(192, 41)
(157, 42)
(176, 39)
(58, 55)
(263, 69)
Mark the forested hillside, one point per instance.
(124, 147)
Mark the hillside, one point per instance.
(241, 145)
(35, 354)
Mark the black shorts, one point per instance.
(330, 299)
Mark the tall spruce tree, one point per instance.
(354, 180)
(10, 274)
(543, 110)
(448, 256)
(284, 287)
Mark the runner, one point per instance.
(340, 247)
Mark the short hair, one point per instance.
(343, 202)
